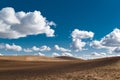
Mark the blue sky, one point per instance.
(101, 17)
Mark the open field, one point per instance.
(61, 68)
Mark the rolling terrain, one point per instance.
(59, 68)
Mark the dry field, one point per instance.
(60, 68)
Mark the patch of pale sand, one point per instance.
(42, 59)
(32, 58)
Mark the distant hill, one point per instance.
(67, 58)
(29, 58)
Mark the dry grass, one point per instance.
(74, 69)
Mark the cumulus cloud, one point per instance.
(78, 45)
(96, 44)
(12, 47)
(98, 54)
(34, 48)
(57, 47)
(1, 54)
(67, 54)
(110, 41)
(27, 50)
(21, 24)
(55, 54)
(78, 36)
(81, 34)
(44, 48)
(39, 54)
(95, 55)
(117, 50)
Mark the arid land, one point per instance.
(59, 68)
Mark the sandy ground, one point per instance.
(43, 68)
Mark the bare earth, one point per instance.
(60, 68)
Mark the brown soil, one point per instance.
(44, 68)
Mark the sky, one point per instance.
(79, 28)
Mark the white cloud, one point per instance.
(103, 53)
(57, 47)
(1, 54)
(42, 48)
(96, 44)
(95, 54)
(55, 54)
(13, 47)
(67, 54)
(98, 54)
(39, 54)
(117, 50)
(35, 48)
(8, 16)
(27, 50)
(78, 45)
(111, 41)
(81, 34)
(78, 36)
(21, 24)
(110, 50)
